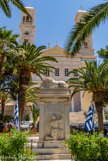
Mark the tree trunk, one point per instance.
(23, 85)
(100, 118)
(99, 108)
(2, 57)
(2, 106)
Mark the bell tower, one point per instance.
(87, 47)
(27, 26)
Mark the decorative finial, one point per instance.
(56, 43)
(81, 7)
(28, 3)
(48, 45)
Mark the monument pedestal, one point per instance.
(54, 120)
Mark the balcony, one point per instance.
(28, 23)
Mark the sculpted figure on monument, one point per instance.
(51, 83)
(56, 130)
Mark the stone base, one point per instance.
(51, 150)
(53, 156)
(50, 144)
(51, 153)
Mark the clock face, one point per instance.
(26, 33)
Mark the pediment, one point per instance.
(55, 51)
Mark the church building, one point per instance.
(78, 103)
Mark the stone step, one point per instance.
(34, 139)
(50, 150)
(51, 144)
(33, 145)
(53, 156)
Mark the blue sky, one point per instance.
(55, 19)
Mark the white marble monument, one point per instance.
(54, 113)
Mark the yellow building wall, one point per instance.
(86, 101)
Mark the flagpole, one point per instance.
(16, 114)
(89, 123)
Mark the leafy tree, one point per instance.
(9, 84)
(103, 53)
(81, 31)
(92, 79)
(5, 5)
(28, 59)
(7, 42)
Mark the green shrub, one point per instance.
(4, 118)
(84, 147)
(13, 147)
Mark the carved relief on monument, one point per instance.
(54, 122)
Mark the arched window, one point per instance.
(57, 72)
(28, 19)
(85, 44)
(66, 72)
(47, 73)
(23, 18)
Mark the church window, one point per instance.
(27, 19)
(57, 72)
(30, 19)
(66, 72)
(75, 74)
(23, 18)
(85, 44)
(47, 73)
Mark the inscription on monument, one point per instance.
(54, 108)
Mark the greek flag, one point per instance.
(16, 115)
(89, 123)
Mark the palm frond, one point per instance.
(81, 31)
(19, 4)
(4, 4)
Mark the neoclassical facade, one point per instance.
(64, 65)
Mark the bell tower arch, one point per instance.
(27, 26)
(87, 47)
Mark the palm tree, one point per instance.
(32, 94)
(103, 53)
(7, 42)
(81, 31)
(5, 5)
(35, 115)
(92, 79)
(28, 59)
(3, 98)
